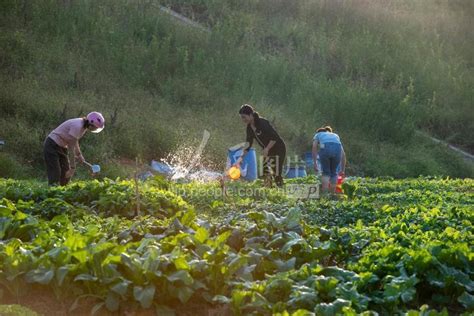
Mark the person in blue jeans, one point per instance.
(331, 155)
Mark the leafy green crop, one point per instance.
(392, 247)
(16, 310)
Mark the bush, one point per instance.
(10, 167)
(16, 310)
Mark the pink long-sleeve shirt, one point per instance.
(68, 134)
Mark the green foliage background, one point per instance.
(375, 71)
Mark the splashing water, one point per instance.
(181, 161)
(187, 163)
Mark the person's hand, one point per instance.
(237, 163)
(70, 173)
(265, 152)
(80, 158)
(316, 168)
(342, 173)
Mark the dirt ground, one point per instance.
(46, 304)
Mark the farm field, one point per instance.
(375, 96)
(387, 247)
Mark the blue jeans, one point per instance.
(330, 157)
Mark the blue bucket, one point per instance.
(308, 159)
(248, 167)
(296, 172)
(161, 168)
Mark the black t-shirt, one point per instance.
(263, 134)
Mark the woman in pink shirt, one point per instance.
(66, 137)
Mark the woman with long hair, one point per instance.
(274, 148)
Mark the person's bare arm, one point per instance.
(273, 135)
(315, 155)
(71, 160)
(241, 158)
(343, 161)
(74, 153)
(247, 146)
(268, 147)
(78, 153)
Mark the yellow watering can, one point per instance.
(234, 173)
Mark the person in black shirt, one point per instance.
(274, 148)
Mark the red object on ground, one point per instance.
(340, 181)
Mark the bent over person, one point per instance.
(66, 138)
(274, 148)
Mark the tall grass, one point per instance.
(376, 72)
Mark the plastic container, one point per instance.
(234, 173)
(95, 168)
(145, 175)
(308, 159)
(161, 168)
(296, 172)
(340, 181)
(248, 167)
